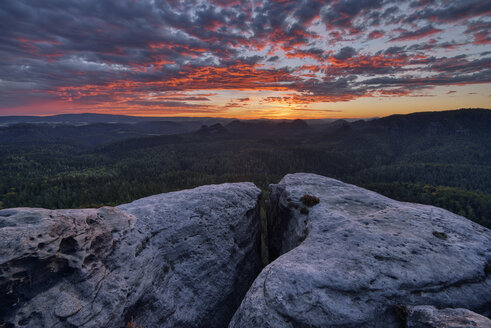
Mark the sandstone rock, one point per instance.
(426, 316)
(181, 259)
(351, 258)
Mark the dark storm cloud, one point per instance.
(343, 13)
(433, 45)
(393, 50)
(480, 30)
(418, 82)
(376, 34)
(315, 53)
(460, 64)
(418, 34)
(345, 53)
(307, 10)
(449, 11)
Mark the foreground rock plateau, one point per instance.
(343, 257)
(356, 259)
(182, 259)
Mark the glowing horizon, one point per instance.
(244, 59)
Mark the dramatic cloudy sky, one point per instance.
(259, 58)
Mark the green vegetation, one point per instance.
(440, 235)
(473, 205)
(310, 200)
(442, 160)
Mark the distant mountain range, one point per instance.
(90, 118)
(95, 129)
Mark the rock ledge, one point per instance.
(348, 260)
(181, 259)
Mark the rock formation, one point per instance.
(343, 257)
(426, 316)
(181, 259)
(351, 259)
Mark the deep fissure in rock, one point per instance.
(284, 230)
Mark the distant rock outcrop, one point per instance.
(215, 129)
(351, 259)
(268, 128)
(181, 259)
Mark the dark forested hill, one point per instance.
(90, 118)
(439, 158)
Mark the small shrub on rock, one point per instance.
(310, 200)
(441, 235)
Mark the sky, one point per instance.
(244, 59)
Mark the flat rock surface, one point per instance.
(350, 259)
(426, 316)
(181, 259)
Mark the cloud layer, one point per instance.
(203, 57)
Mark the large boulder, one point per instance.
(349, 260)
(181, 259)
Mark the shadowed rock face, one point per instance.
(426, 316)
(350, 259)
(182, 259)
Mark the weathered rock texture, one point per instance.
(426, 316)
(182, 259)
(357, 254)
